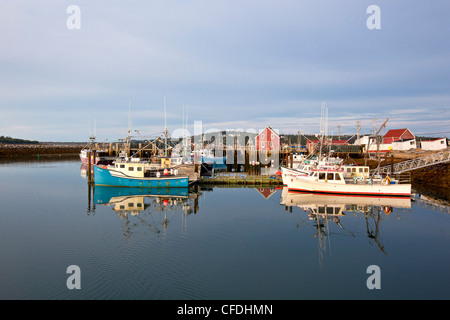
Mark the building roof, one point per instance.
(268, 127)
(394, 133)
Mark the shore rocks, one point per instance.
(22, 150)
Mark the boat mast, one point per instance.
(128, 138)
(129, 118)
(91, 135)
(322, 129)
(378, 144)
(165, 128)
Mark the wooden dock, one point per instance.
(241, 178)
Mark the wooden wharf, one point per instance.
(241, 178)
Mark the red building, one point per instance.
(268, 140)
(396, 135)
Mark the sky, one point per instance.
(233, 65)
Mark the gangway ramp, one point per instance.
(417, 163)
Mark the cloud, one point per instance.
(235, 63)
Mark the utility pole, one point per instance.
(358, 127)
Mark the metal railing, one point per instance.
(417, 163)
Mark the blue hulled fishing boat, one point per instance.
(137, 174)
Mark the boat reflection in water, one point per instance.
(325, 209)
(150, 206)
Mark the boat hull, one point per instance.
(103, 177)
(288, 173)
(304, 185)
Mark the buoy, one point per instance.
(166, 172)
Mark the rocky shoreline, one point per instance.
(33, 150)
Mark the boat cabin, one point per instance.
(132, 169)
(327, 176)
(140, 170)
(356, 171)
(163, 162)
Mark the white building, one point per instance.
(367, 140)
(404, 144)
(436, 144)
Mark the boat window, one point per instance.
(116, 165)
(311, 174)
(130, 168)
(337, 176)
(322, 176)
(360, 169)
(354, 170)
(122, 166)
(139, 168)
(366, 170)
(330, 176)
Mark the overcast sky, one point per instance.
(231, 64)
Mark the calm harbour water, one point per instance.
(217, 243)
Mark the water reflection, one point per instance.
(326, 210)
(152, 207)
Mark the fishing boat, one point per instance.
(101, 157)
(137, 174)
(338, 181)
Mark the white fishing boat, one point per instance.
(338, 181)
(101, 156)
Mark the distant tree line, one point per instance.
(10, 140)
